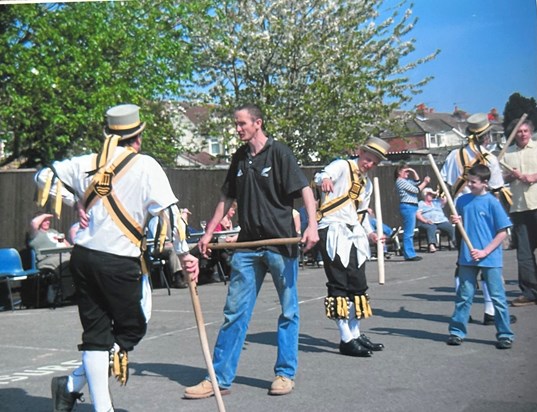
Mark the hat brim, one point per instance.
(479, 133)
(373, 151)
(124, 134)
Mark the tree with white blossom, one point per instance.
(327, 73)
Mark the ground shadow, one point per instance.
(187, 375)
(424, 335)
(18, 400)
(403, 313)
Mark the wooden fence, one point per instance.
(197, 189)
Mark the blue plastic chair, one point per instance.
(11, 269)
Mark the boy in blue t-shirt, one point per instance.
(486, 223)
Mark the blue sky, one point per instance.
(488, 52)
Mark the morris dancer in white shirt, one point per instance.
(116, 192)
(344, 243)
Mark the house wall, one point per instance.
(399, 144)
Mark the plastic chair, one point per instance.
(11, 269)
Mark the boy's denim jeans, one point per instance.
(247, 274)
(465, 295)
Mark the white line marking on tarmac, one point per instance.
(40, 371)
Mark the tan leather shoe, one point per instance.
(204, 389)
(281, 386)
(523, 301)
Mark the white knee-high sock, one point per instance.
(96, 364)
(489, 307)
(344, 330)
(354, 322)
(77, 379)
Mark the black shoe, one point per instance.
(178, 281)
(353, 348)
(179, 284)
(489, 319)
(454, 340)
(414, 259)
(366, 343)
(504, 344)
(63, 401)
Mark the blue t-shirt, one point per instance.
(483, 217)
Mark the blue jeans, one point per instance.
(408, 213)
(445, 227)
(465, 297)
(248, 270)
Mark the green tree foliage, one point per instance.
(63, 65)
(327, 73)
(515, 107)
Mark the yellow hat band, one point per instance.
(377, 148)
(124, 126)
(481, 128)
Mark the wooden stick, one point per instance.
(450, 201)
(380, 232)
(505, 165)
(255, 243)
(511, 136)
(204, 343)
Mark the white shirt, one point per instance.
(339, 237)
(452, 170)
(143, 189)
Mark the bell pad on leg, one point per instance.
(363, 308)
(337, 307)
(119, 366)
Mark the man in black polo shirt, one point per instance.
(263, 178)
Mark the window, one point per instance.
(437, 140)
(215, 147)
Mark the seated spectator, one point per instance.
(221, 258)
(60, 288)
(430, 218)
(227, 224)
(42, 236)
(168, 254)
(185, 215)
(390, 233)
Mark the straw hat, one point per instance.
(478, 124)
(123, 121)
(376, 146)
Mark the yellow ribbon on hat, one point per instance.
(109, 146)
(42, 193)
(58, 201)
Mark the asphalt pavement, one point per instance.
(416, 372)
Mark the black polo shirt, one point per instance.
(265, 186)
